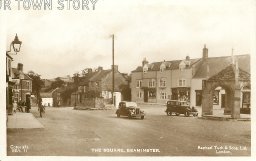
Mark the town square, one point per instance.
(162, 79)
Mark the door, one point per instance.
(223, 98)
(146, 95)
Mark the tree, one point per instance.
(37, 83)
(57, 83)
(126, 92)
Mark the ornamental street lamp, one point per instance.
(15, 45)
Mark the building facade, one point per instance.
(161, 81)
(23, 85)
(182, 79)
(99, 83)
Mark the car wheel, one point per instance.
(187, 114)
(142, 117)
(177, 114)
(169, 113)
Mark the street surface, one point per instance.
(71, 132)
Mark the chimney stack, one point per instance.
(144, 62)
(20, 67)
(89, 70)
(115, 68)
(100, 68)
(205, 53)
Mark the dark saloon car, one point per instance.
(129, 109)
(180, 107)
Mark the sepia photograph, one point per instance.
(137, 78)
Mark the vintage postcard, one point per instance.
(104, 79)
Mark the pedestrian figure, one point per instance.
(41, 107)
(14, 106)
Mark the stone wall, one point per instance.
(90, 103)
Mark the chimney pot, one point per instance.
(20, 67)
(205, 52)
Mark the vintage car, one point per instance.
(180, 107)
(129, 109)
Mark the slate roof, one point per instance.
(17, 73)
(229, 74)
(217, 64)
(99, 75)
(170, 65)
(48, 94)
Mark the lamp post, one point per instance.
(15, 46)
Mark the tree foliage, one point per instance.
(126, 92)
(37, 83)
(57, 83)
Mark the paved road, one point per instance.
(70, 132)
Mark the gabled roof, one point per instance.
(16, 73)
(85, 79)
(99, 75)
(216, 64)
(228, 74)
(170, 65)
(47, 94)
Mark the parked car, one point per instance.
(180, 107)
(129, 109)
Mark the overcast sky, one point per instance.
(59, 43)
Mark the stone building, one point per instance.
(23, 84)
(183, 80)
(98, 83)
(161, 81)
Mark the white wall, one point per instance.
(196, 84)
(47, 101)
(118, 98)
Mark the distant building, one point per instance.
(99, 83)
(47, 97)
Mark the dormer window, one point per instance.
(182, 66)
(162, 67)
(145, 68)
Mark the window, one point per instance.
(139, 82)
(163, 95)
(139, 94)
(162, 82)
(151, 83)
(182, 83)
(27, 85)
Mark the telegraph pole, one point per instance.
(113, 70)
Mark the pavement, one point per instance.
(218, 114)
(20, 120)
